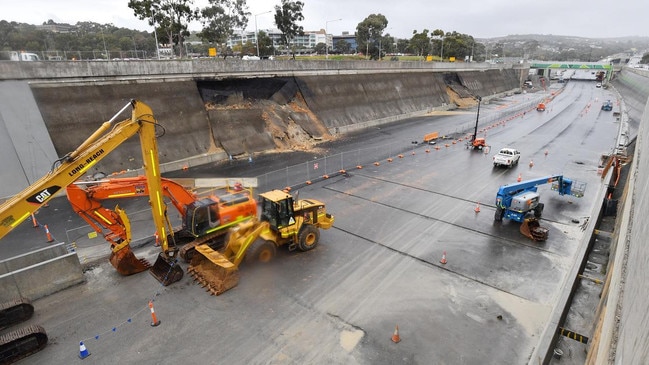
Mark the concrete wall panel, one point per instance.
(25, 146)
(347, 99)
(39, 273)
(73, 113)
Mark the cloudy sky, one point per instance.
(479, 18)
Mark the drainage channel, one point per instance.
(578, 327)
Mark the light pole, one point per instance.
(327, 36)
(155, 32)
(104, 40)
(257, 34)
(442, 52)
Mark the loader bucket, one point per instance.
(166, 271)
(125, 262)
(531, 228)
(213, 271)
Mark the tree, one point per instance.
(286, 17)
(420, 43)
(219, 20)
(265, 44)
(403, 46)
(320, 48)
(342, 46)
(171, 16)
(369, 33)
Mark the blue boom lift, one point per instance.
(517, 201)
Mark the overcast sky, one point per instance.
(479, 18)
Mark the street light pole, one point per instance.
(256, 33)
(104, 40)
(155, 32)
(442, 52)
(327, 36)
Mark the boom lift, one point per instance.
(65, 171)
(516, 201)
(283, 221)
(205, 219)
(475, 142)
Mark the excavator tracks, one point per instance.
(15, 311)
(22, 343)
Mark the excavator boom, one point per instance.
(67, 170)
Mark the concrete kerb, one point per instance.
(542, 353)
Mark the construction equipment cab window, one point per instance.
(278, 214)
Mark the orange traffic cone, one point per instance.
(443, 260)
(477, 208)
(49, 235)
(395, 335)
(34, 222)
(83, 351)
(157, 239)
(519, 178)
(154, 320)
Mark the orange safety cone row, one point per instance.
(49, 235)
(154, 320)
(477, 208)
(83, 351)
(443, 260)
(395, 335)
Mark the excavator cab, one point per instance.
(203, 216)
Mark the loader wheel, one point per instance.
(500, 213)
(261, 251)
(309, 237)
(538, 210)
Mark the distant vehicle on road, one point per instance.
(607, 106)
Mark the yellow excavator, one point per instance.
(283, 221)
(66, 170)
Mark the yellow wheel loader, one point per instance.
(283, 221)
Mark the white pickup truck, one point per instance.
(507, 157)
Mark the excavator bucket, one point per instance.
(213, 271)
(166, 271)
(125, 262)
(532, 229)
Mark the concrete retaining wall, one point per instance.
(74, 106)
(39, 273)
(625, 324)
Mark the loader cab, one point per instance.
(277, 208)
(202, 216)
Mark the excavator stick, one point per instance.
(166, 270)
(126, 263)
(531, 228)
(213, 271)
